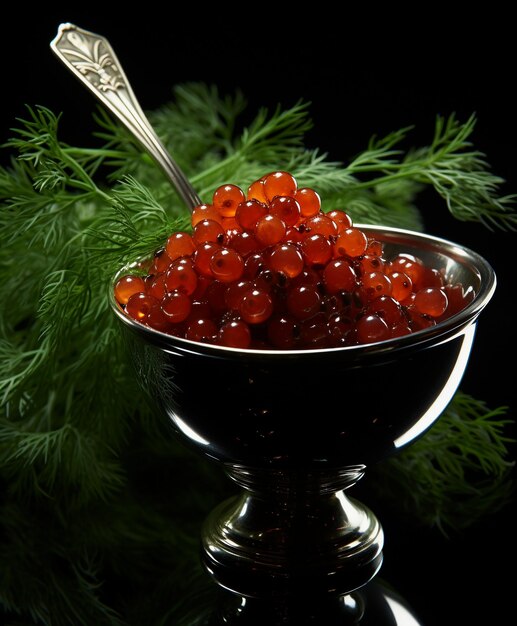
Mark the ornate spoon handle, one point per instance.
(92, 59)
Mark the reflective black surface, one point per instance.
(376, 604)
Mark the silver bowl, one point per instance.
(296, 428)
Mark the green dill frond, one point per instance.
(61, 463)
(459, 472)
(312, 168)
(43, 579)
(270, 141)
(37, 133)
(459, 174)
(273, 136)
(54, 164)
(199, 121)
(133, 226)
(21, 363)
(380, 155)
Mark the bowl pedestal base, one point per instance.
(295, 549)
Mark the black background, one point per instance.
(364, 73)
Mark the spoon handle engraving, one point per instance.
(92, 59)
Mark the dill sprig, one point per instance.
(81, 451)
(457, 172)
(458, 473)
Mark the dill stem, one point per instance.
(96, 152)
(208, 172)
(366, 184)
(86, 183)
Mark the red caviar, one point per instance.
(269, 269)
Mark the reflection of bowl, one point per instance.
(317, 408)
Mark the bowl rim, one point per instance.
(443, 331)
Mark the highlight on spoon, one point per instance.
(91, 58)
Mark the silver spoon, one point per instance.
(92, 59)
